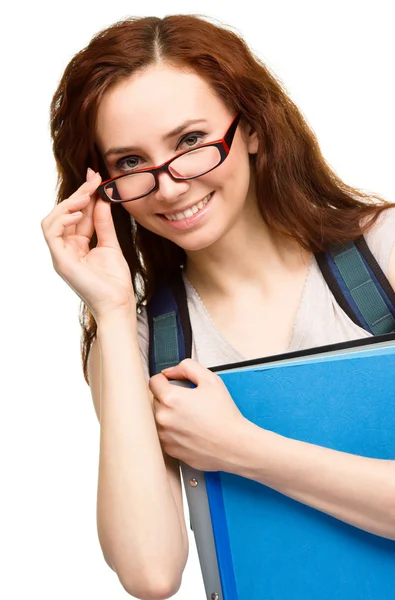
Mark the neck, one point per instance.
(248, 255)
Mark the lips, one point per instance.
(184, 209)
(188, 222)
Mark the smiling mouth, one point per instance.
(189, 212)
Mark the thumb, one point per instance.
(104, 225)
(188, 369)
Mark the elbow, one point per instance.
(150, 586)
(156, 580)
(153, 584)
(152, 589)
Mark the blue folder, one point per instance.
(257, 544)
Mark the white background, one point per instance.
(335, 58)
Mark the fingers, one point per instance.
(191, 370)
(89, 186)
(84, 224)
(62, 218)
(77, 201)
(54, 235)
(158, 384)
(188, 369)
(104, 225)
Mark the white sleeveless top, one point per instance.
(319, 319)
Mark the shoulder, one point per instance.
(381, 241)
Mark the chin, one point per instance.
(197, 242)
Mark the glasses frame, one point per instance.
(223, 145)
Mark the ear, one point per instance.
(251, 138)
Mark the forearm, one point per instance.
(138, 522)
(355, 489)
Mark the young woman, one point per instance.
(243, 224)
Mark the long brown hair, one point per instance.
(298, 193)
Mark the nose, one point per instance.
(169, 190)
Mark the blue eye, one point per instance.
(122, 162)
(130, 163)
(193, 136)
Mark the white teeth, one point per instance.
(189, 212)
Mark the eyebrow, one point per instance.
(165, 138)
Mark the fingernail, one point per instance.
(90, 174)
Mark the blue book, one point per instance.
(257, 544)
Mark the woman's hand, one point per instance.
(201, 426)
(101, 276)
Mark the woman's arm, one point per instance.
(141, 532)
(355, 489)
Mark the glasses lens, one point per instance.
(192, 164)
(130, 187)
(195, 163)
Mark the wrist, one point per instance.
(121, 316)
(238, 447)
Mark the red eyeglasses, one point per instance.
(187, 165)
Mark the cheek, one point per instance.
(136, 210)
(234, 174)
(237, 164)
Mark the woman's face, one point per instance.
(136, 114)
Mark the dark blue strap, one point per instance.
(377, 275)
(170, 331)
(167, 344)
(360, 286)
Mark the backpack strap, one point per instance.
(359, 286)
(170, 332)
